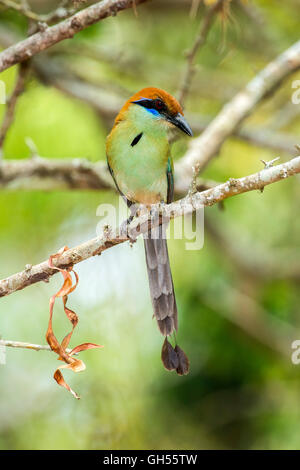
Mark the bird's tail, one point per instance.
(160, 280)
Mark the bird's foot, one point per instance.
(124, 232)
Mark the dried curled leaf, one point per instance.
(76, 365)
(61, 381)
(84, 347)
(168, 356)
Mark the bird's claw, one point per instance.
(124, 227)
(124, 232)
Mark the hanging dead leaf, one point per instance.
(76, 365)
(61, 381)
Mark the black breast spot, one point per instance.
(136, 139)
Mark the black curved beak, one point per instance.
(179, 121)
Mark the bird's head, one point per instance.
(155, 107)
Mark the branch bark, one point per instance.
(22, 345)
(65, 30)
(187, 205)
(50, 174)
(54, 174)
(205, 147)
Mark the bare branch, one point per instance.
(205, 147)
(59, 14)
(259, 136)
(199, 41)
(284, 116)
(11, 103)
(187, 205)
(51, 174)
(194, 8)
(19, 344)
(65, 30)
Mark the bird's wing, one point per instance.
(170, 179)
(113, 177)
(129, 203)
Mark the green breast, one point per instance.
(139, 168)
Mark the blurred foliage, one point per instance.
(242, 392)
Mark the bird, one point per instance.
(140, 163)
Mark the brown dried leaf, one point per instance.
(61, 381)
(168, 356)
(51, 338)
(84, 347)
(76, 365)
(183, 361)
(70, 313)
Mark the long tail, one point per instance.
(160, 281)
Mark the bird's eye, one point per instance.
(159, 105)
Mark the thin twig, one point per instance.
(284, 116)
(199, 41)
(20, 344)
(187, 205)
(11, 103)
(194, 8)
(59, 14)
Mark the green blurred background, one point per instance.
(238, 297)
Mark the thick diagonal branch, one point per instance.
(187, 205)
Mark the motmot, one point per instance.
(140, 163)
